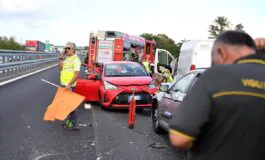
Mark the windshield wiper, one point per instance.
(115, 76)
(133, 75)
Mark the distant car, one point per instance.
(115, 84)
(169, 99)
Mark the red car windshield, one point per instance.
(124, 70)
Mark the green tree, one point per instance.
(9, 44)
(148, 36)
(163, 42)
(239, 27)
(219, 25)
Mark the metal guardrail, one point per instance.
(12, 61)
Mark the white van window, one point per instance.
(162, 57)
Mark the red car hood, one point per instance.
(120, 81)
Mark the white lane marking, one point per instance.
(46, 155)
(26, 75)
(88, 106)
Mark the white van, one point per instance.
(194, 54)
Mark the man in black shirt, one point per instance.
(223, 116)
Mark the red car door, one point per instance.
(88, 88)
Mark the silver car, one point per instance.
(169, 98)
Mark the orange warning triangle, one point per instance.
(62, 105)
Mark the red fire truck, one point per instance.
(107, 46)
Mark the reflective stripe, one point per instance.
(172, 131)
(251, 61)
(238, 93)
(68, 69)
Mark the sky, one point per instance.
(60, 21)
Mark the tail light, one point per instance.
(193, 67)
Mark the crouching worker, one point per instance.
(167, 76)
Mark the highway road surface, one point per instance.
(104, 135)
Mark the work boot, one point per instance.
(70, 125)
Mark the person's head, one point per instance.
(232, 45)
(70, 48)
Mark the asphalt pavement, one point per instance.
(104, 135)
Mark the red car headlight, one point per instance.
(109, 86)
(152, 85)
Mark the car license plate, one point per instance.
(135, 97)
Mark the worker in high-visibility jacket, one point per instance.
(146, 64)
(167, 76)
(70, 70)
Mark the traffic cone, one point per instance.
(131, 116)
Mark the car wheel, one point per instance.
(155, 120)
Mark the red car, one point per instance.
(115, 84)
